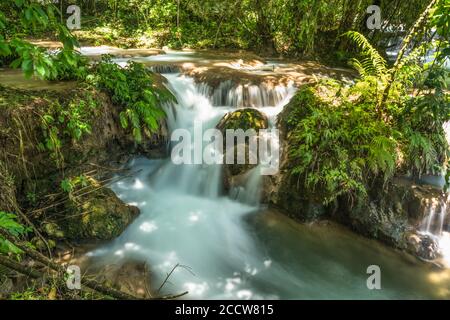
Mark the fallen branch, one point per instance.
(13, 265)
(92, 284)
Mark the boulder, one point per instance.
(247, 118)
(100, 215)
(244, 119)
(423, 246)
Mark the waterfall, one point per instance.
(436, 225)
(229, 248)
(185, 217)
(228, 93)
(250, 193)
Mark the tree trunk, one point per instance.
(263, 30)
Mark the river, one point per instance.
(237, 249)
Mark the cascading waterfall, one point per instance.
(436, 225)
(185, 218)
(228, 93)
(231, 248)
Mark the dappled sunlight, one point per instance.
(138, 185)
(148, 226)
(441, 280)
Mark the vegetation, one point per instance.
(135, 89)
(284, 26)
(8, 222)
(343, 139)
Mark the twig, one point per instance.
(170, 273)
(94, 285)
(146, 277)
(57, 267)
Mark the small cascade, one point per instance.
(436, 227)
(250, 193)
(229, 250)
(228, 93)
(433, 223)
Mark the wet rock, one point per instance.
(244, 119)
(389, 213)
(282, 191)
(423, 246)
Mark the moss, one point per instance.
(99, 215)
(244, 119)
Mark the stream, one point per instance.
(234, 248)
(231, 246)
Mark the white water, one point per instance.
(434, 225)
(232, 249)
(184, 216)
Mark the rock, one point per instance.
(247, 118)
(53, 230)
(282, 192)
(423, 246)
(100, 215)
(244, 119)
(391, 213)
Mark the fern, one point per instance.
(373, 63)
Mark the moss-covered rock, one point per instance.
(99, 215)
(392, 214)
(244, 119)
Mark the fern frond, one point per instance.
(376, 60)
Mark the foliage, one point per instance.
(341, 148)
(336, 148)
(69, 184)
(341, 142)
(372, 63)
(134, 88)
(27, 17)
(8, 222)
(69, 120)
(292, 27)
